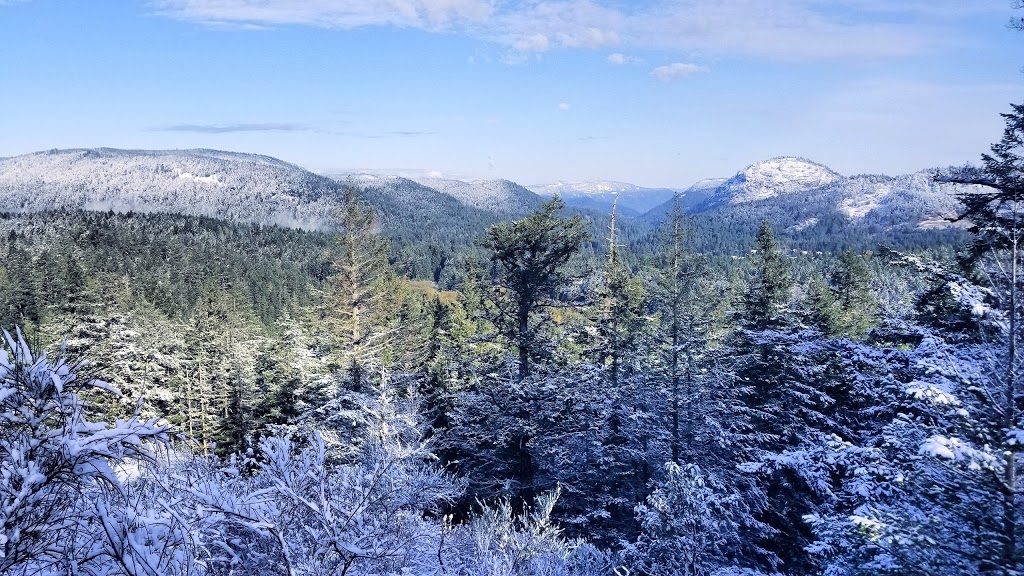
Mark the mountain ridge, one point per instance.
(801, 197)
(811, 205)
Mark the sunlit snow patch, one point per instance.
(211, 179)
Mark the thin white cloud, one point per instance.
(676, 71)
(345, 14)
(564, 106)
(763, 29)
(589, 38)
(237, 127)
(617, 59)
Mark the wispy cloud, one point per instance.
(563, 106)
(345, 14)
(229, 128)
(676, 71)
(390, 134)
(617, 59)
(763, 29)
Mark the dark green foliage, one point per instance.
(845, 306)
(528, 256)
(22, 306)
(165, 259)
(767, 301)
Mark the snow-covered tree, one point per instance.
(501, 541)
(915, 489)
(306, 512)
(361, 301)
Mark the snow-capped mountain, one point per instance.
(601, 194)
(790, 180)
(773, 178)
(814, 205)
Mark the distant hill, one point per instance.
(498, 196)
(239, 187)
(814, 207)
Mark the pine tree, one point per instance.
(619, 306)
(995, 211)
(783, 399)
(219, 374)
(22, 307)
(845, 307)
(684, 333)
(529, 256)
(688, 525)
(362, 300)
(766, 304)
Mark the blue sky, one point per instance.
(654, 92)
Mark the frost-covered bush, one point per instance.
(500, 541)
(293, 510)
(79, 496)
(64, 506)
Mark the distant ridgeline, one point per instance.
(432, 221)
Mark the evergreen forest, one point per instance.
(564, 395)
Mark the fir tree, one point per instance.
(360, 301)
(529, 256)
(768, 298)
(845, 306)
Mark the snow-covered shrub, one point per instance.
(500, 541)
(300, 513)
(64, 507)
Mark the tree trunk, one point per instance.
(675, 387)
(523, 337)
(1010, 475)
